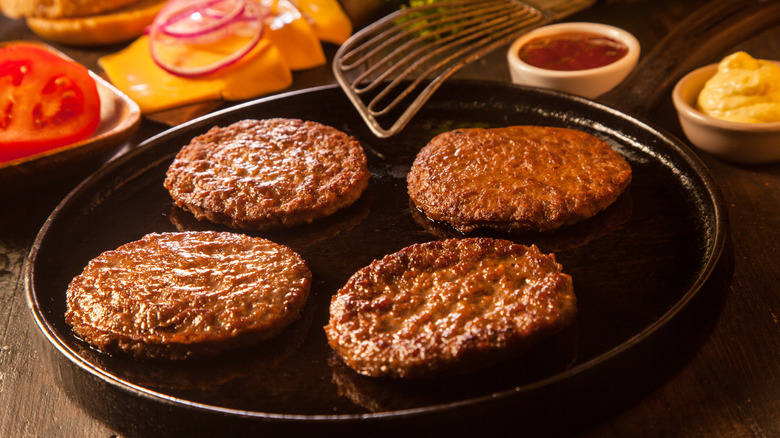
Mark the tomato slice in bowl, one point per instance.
(46, 101)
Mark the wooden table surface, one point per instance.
(729, 385)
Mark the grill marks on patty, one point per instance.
(177, 295)
(448, 307)
(518, 178)
(264, 174)
(436, 308)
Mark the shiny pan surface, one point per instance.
(643, 271)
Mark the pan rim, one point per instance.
(714, 254)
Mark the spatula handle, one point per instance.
(701, 39)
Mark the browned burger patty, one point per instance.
(175, 295)
(519, 178)
(261, 174)
(447, 307)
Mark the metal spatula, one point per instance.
(390, 68)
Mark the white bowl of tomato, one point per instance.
(56, 117)
(586, 59)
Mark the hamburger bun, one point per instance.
(83, 22)
(60, 8)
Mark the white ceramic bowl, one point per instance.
(737, 142)
(588, 83)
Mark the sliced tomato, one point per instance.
(46, 101)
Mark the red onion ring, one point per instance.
(242, 17)
(175, 28)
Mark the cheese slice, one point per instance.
(329, 21)
(132, 70)
(289, 31)
(291, 41)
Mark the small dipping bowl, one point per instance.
(737, 142)
(588, 83)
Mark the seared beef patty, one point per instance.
(261, 174)
(448, 307)
(519, 178)
(175, 295)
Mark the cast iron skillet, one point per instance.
(639, 268)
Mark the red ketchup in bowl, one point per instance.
(572, 51)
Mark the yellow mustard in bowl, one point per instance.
(744, 89)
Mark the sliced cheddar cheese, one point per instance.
(329, 21)
(133, 71)
(288, 30)
(292, 35)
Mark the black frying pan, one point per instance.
(648, 272)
